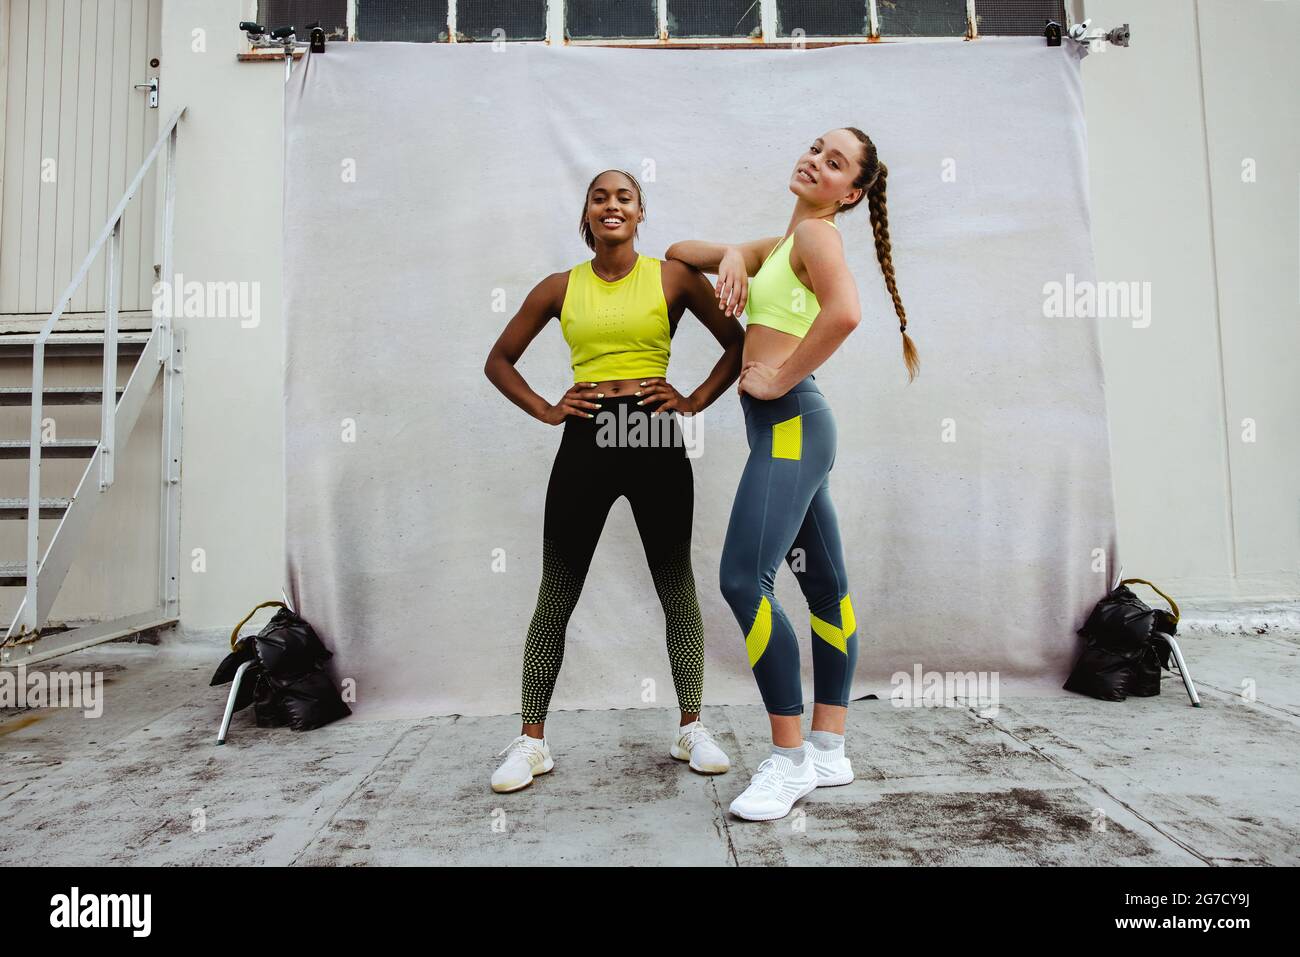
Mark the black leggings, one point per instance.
(622, 451)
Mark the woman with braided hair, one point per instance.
(802, 303)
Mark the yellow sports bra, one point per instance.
(619, 329)
(776, 296)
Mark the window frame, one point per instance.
(767, 38)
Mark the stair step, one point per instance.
(55, 395)
(13, 573)
(73, 343)
(62, 449)
(16, 508)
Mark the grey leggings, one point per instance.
(783, 511)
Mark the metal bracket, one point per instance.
(178, 349)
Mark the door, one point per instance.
(75, 132)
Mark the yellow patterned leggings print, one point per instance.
(589, 474)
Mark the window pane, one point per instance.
(713, 18)
(823, 18)
(412, 21)
(921, 18)
(1017, 18)
(611, 19)
(331, 14)
(520, 19)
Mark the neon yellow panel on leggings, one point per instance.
(787, 439)
(833, 636)
(759, 632)
(829, 633)
(848, 624)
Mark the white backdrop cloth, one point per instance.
(429, 187)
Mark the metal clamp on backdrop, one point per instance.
(285, 38)
(1119, 36)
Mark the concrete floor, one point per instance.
(1064, 780)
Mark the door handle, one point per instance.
(152, 87)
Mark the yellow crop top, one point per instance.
(776, 296)
(619, 329)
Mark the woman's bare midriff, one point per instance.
(768, 346)
(619, 386)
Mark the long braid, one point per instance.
(872, 177)
(884, 253)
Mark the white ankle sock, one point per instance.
(796, 755)
(826, 740)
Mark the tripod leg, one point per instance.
(230, 702)
(1182, 669)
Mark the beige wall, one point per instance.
(228, 228)
(1199, 508)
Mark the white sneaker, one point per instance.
(525, 758)
(695, 744)
(833, 768)
(777, 784)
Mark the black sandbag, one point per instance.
(309, 700)
(1154, 659)
(1125, 648)
(1102, 674)
(287, 683)
(1121, 622)
(1167, 623)
(268, 707)
(1146, 671)
(244, 651)
(288, 646)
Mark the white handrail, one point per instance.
(112, 229)
(109, 226)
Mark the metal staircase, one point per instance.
(157, 353)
